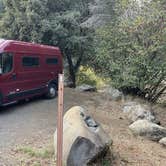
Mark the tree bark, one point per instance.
(72, 74)
(73, 69)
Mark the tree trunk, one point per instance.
(72, 77)
(73, 69)
(72, 74)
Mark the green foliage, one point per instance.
(106, 163)
(24, 20)
(1, 8)
(36, 153)
(132, 52)
(87, 75)
(50, 22)
(129, 49)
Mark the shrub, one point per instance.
(133, 53)
(87, 75)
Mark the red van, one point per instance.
(27, 70)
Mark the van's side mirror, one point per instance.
(0, 70)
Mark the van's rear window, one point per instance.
(6, 62)
(30, 61)
(52, 61)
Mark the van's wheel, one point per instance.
(52, 91)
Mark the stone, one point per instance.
(86, 88)
(82, 152)
(113, 94)
(163, 141)
(135, 111)
(83, 138)
(68, 83)
(148, 129)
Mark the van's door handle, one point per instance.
(14, 75)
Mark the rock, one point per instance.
(68, 83)
(148, 129)
(114, 94)
(82, 152)
(135, 111)
(86, 88)
(84, 139)
(163, 141)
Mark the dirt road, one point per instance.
(33, 124)
(29, 123)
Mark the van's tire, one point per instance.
(52, 91)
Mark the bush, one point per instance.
(86, 75)
(133, 53)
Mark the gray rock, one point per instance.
(68, 83)
(84, 152)
(135, 111)
(100, 14)
(86, 88)
(84, 138)
(113, 94)
(148, 129)
(163, 141)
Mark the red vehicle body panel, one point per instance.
(24, 82)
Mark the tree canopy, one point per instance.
(50, 22)
(124, 40)
(132, 50)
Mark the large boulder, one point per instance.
(148, 129)
(135, 111)
(83, 138)
(86, 88)
(163, 141)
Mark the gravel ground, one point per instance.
(23, 121)
(29, 124)
(32, 124)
